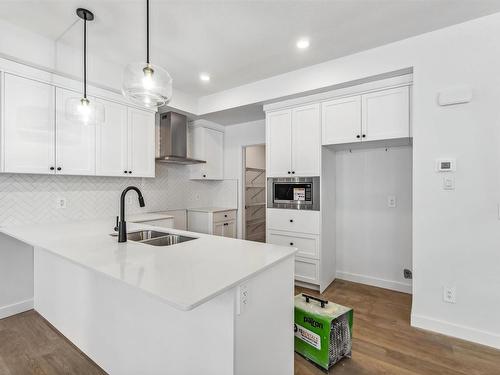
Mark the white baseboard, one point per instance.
(375, 281)
(456, 330)
(16, 308)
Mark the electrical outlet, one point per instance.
(450, 294)
(449, 183)
(242, 300)
(61, 203)
(391, 201)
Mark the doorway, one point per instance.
(254, 193)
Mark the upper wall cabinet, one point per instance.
(207, 144)
(141, 143)
(279, 143)
(293, 138)
(341, 120)
(112, 141)
(28, 137)
(125, 142)
(386, 114)
(374, 116)
(75, 141)
(37, 137)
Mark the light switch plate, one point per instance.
(61, 203)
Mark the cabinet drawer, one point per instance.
(224, 216)
(308, 245)
(307, 270)
(294, 220)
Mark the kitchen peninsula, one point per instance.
(193, 307)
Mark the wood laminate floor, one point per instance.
(384, 342)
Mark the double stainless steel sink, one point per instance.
(155, 238)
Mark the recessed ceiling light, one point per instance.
(303, 43)
(204, 77)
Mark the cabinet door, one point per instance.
(279, 143)
(29, 126)
(341, 120)
(386, 114)
(306, 141)
(229, 229)
(141, 143)
(111, 141)
(214, 153)
(218, 229)
(75, 141)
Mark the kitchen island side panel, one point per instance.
(125, 330)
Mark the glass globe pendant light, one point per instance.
(81, 109)
(144, 83)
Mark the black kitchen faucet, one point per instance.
(121, 224)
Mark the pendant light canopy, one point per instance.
(147, 84)
(81, 109)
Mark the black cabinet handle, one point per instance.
(364, 135)
(289, 172)
(52, 168)
(204, 176)
(291, 243)
(226, 223)
(291, 220)
(59, 168)
(225, 215)
(125, 172)
(293, 172)
(358, 136)
(130, 172)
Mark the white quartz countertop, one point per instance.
(184, 275)
(211, 209)
(149, 216)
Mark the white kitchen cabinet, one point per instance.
(306, 141)
(28, 143)
(279, 143)
(386, 114)
(341, 120)
(112, 141)
(75, 141)
(374, 116)
(294, 142)
(207, 144)
(219, 222)
(141, 143)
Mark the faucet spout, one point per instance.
(122, 224)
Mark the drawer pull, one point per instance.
(291, 220)
(291, 243)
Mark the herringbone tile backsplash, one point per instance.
(33, 198)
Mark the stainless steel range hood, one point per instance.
(173, 140)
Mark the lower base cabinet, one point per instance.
(212, 221)
(299, 229)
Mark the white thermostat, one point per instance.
(445, 165)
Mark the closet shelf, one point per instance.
(255, 204)
(255, 169)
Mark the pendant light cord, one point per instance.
(85, 57)
(147, 32)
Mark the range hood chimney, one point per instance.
(173, 140)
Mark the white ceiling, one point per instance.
(238, 42)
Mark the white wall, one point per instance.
(373, 241)
(56, 56)
(456, 234)
(237, 136)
